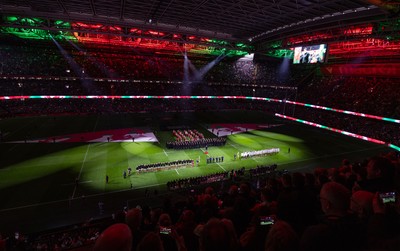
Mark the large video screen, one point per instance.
(310, 54)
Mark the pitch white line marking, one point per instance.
(84, 159)
(177, 171)
(80, 172)
(166, 154)
(255, 159)
(221, 167)
(83, 182)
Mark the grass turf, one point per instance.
(39, 174)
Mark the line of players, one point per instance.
(259, 153)
(196, 143)
(164, 165)
(215, 159)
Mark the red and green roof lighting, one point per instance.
(35, 28)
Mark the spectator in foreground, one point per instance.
(215, 236)
(383, 225)
(150, 242)
(133, 219)
(282, 237)
(116, 237)
(380, 175)
(361, 204)
(338, 230)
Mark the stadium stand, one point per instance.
(352, 206)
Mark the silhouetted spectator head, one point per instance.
(360, 170)
(117, 237)
(215, 236)
(361, 203)
(379, 167)
(322, 179)
(272, 183)
(281, 237)
(333, 173)
(392, 156)
(267, 195)
(231, 231)
(335, 199)
(119, 216)
(244, 189)
(165, 220)
(209, 190)
(286, 180)
(155, 215)
(298, 180)
(134, 218)
(150, 242)
(233, 190)
(309, 179)
(188, 216)
(2, 243)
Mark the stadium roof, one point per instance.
(234, 20)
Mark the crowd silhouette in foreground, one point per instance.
(331, 209)
(354, 206)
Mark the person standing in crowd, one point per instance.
(339, 230)
(116, 237)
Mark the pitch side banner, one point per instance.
(387, 70)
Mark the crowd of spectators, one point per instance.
(67, 238)
(198, 143)
(372, 128)
(338, 208)
(330, 209)
(164, 165)
(196, 181)
(371, 95)
(45, 58)
(52, 107)
(262, 170)
(25, 74)
(16, 86)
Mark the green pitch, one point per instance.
(40, 173)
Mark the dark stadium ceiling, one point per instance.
(231, 20)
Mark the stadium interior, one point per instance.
(200, 125)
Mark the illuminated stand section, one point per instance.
(201, 97)
(376, 141)
(119, 36)
(231, 97)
